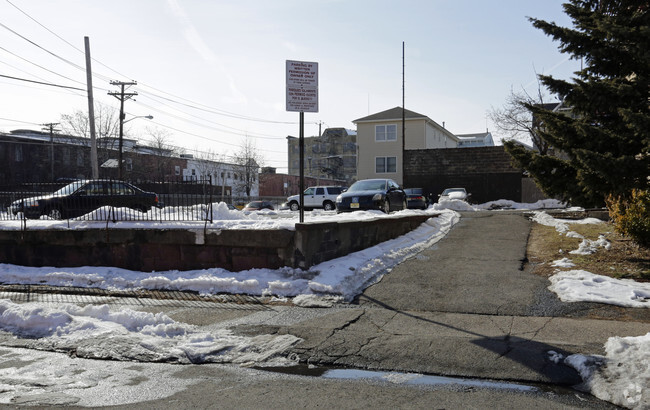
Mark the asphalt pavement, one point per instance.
(469, 306)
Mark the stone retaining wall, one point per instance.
(186, 249)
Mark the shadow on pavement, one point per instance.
(529, 353)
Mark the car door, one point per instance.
(120, 195)
(309, 197)
(396, 195)
(86, 199)
(316, 200)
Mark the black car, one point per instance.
(416, 199)
(84, 196)
(382, 194)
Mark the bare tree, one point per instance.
(248, 161)
(159, 141)
(107, 122)
(516, 120)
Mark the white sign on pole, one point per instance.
(302, 86)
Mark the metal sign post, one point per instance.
(302, 97)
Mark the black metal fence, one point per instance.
(113, 201)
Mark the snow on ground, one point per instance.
(622, 376)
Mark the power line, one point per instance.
(183, 102)
(42, 83)
(39, 66)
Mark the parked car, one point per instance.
(454, 193)
(84, 196)
(258, 206)
(416, 199)
(382, 194)
(317, 197)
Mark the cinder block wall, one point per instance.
(486, 172)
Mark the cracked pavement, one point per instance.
(469, 306)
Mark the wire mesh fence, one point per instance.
(113, 200)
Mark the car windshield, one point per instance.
(70, 188)
(368, 185)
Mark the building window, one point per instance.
(385, 165)
(177, 169)
(18, 153)
(129, 164)
(386, 132)
(80, 159)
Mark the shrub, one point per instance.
(631, 216)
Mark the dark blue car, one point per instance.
(381, 194)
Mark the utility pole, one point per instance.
(403, 122)
(122, 95)
(94, 165)
(50, 127)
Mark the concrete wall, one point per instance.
(168, 249)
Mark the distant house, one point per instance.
(379, 141)
(483, 139)
(332, 155)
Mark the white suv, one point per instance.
(317, 197)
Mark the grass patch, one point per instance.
(624, 259)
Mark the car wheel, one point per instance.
(55, 213)
(294, 206)
(386, 206)
(328, 206)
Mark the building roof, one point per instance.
(392, 114)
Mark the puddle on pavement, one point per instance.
(413, 379)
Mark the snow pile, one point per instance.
(96, 332)
(453, 204)
(583, 286)
(587, 247)
(562, 225)
(563, 263)
(621, 377)
(460, 205)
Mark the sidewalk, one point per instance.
(468, 306)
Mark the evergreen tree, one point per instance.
(605, 141)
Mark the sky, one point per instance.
(212, 74)
(65, 327)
